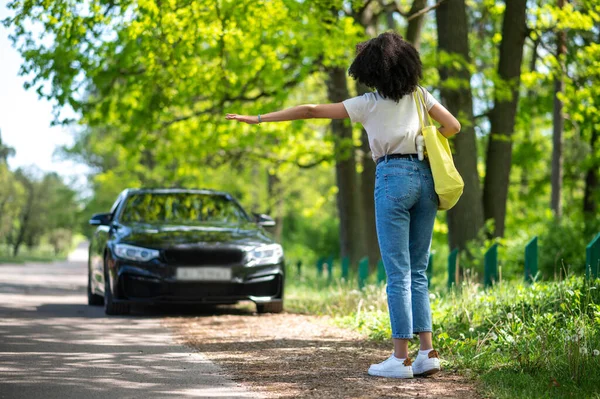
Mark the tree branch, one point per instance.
(208, 111)
(238, 155)
(390, 7)
(296, 161)
(424, 11)
(294, 81)
(363, 8)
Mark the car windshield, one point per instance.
(181, 208)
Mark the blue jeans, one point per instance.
(405, 209)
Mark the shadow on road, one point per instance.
(53, 345)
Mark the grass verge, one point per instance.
(540, 340)
(41, 254)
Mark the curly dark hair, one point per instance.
(389, 64)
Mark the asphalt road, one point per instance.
(52, 345)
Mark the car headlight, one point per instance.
(265, 254)
(135, 253)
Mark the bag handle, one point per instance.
(420, 103)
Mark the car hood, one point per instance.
(169, 236)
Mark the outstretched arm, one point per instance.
(307, 111)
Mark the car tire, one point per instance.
(93, 299)
(112, 308)
(269, 307)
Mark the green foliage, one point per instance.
(518, 329)
(35, 206)
(308, 293)
(5, 151)
(151, 80)
(11, 197)
(307, 238)
(562, 247)
(61, 240)
(561, 250)
(158, 79)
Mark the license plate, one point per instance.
(203, 274)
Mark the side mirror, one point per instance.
(264, 220)
(100, 219)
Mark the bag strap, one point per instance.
(420, 103)
(419, 109)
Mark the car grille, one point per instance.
(140, 287)
(204, 256)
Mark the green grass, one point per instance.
(42, 253)
(533, 341)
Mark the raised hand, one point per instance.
(251, 120)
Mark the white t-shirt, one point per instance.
(392, 126)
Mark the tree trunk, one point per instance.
(367, 190)
(275, 204)
(558, 124)
(592, 181)
(415, 25)
(351, 234)
(367, 177)
(24, 222)
(502, 117)
(466, 218)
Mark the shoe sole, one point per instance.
(428, 372)
(390, 375)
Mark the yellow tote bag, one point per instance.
(448, 183)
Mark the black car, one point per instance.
(182, 246)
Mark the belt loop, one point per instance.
(410, 157)
(386, 158)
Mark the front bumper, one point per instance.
(156, 283)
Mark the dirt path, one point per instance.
(297, 356)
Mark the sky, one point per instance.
(25, 120)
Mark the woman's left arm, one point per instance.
(306, 111)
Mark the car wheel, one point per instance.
(112, 308)
(270, 307)
(93, 299)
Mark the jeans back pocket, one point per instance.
(399, 183)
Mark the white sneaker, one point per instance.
(427, 364)
(392, 367)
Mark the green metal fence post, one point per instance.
(452, 267)
(592, 258)
(490, 271)
(381, 277)
(320, 263)
(429, 270)
(531, 260)
(330, 268)
(345, 267)
(363, 272)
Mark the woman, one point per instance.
(405, 199)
